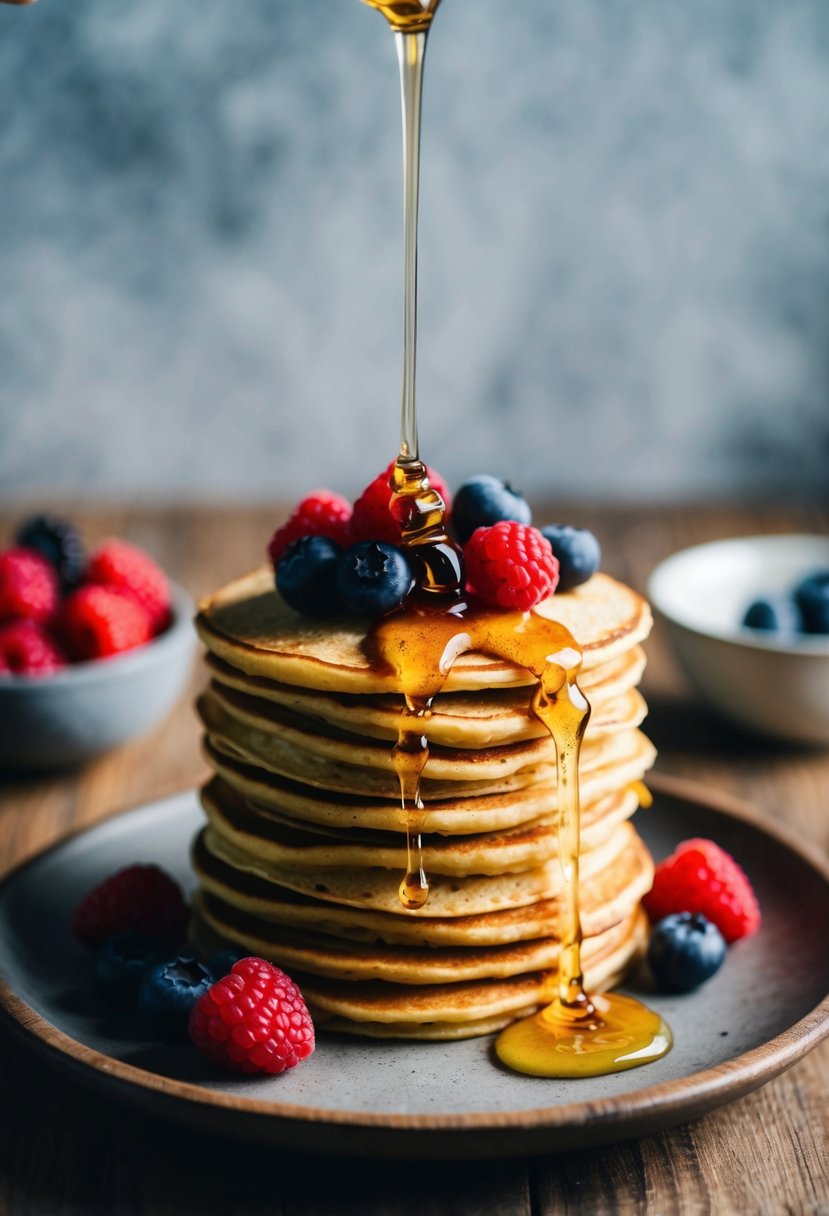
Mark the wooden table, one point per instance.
(62, 1151)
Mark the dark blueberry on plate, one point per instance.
(168, 992)
(221, 964)
(773, 615)
(374, 578)
(685, 950)
(812, 598)
(485, 500)
(306, 575)
(120, 964)
(578, 553)
(59, 542)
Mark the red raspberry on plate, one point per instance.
(372, 519)
(124, 567)
(510, 565)
(322, 513)
(27, 650)
(138, 899)
(253, 1020)
(101, 621)
(701, 877)
(28, 586)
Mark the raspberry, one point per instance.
(123, 567)
(27, 650)
(102, 621)
(59, 542)
(28, 586)
(701, 877)
(139, 899)
(253, 1020)
(372, 519)
(510, 565)
(319, 514)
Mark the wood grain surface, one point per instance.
(63, 1150)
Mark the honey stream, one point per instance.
(574, 1034)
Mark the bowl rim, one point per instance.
(811, 645)
(92, 671)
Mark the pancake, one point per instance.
(379, 1008)
(331, 958)
(605, 899)
(258, 832)
(248, 722)
(473, 719)
(367, 768)
(389, 1002)
(285, 839)
(247, 625)
(470, 815)
(449, 895)
(618, 713)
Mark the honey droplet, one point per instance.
(414, 890)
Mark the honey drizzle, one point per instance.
(408, 643)
(409, 758)
(566, 717)
(411, 53)
(417, 507)
(574, 1034)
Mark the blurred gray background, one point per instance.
(624, 259)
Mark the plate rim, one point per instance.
(670, 1099)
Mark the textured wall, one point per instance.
(624, 266)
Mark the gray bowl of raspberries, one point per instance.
(95, 648)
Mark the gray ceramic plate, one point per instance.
(762, 1013)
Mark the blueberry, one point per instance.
(168, 992)
(578, 553)
(120, 964)
(306, 575)
(685, 950)
(812, 598)
(773, 615)
(373, 578)
(59, 542)
(221, 964)
(486, 500)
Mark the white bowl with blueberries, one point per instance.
(748, 620)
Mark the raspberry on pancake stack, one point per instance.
(305, 842)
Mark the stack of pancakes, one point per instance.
(305, 843)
